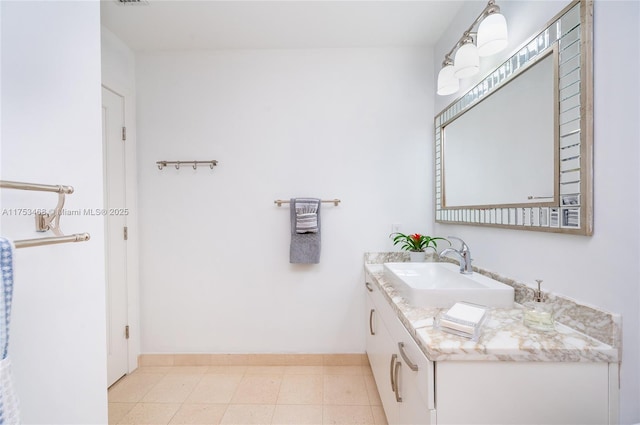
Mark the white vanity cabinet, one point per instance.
(403, 374)
(480, 392)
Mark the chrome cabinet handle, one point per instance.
(368, 285)
(412, 365)
(394, 357)
(371, 331)
(395, 379)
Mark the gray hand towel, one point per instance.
(305, 247)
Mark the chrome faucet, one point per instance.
(464, 254)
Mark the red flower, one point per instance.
(415, 242)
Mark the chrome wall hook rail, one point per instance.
(194, 164)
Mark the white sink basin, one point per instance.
(442, 285)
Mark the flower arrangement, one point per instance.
(415, 242)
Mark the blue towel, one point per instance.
(6, 293)
(9, 409)
(305, 231)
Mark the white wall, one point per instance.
(51, 133)
(118, 74)
(638, 258)
(348, 123)
(601, 270)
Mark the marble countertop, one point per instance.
(503, 338)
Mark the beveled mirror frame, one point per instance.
(571, 32)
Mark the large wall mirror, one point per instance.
(516, 150)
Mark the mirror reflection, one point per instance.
(503, 150)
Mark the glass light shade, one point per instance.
(492, 34)
(467, 61)
(447, 82)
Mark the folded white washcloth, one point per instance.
(463, 319)
(306, 216)
(465, 313)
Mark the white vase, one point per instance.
(416, 256)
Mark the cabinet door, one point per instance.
(412, 408)
(522, 393)
(380, 350)
(371, 339)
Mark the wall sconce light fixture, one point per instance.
(490, 38)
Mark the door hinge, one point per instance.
(126, 233)
(124, 133)
(126, 332)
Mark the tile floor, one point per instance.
(246, 395)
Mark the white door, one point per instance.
(116, 247)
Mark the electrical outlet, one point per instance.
(395, 227)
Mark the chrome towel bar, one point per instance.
(335, 202)
(28, 243)
(5, 184)
(46, 221)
